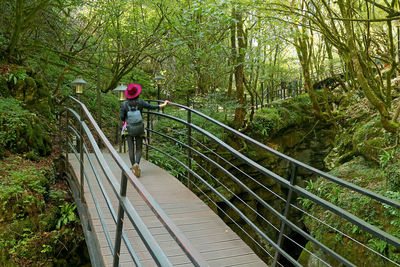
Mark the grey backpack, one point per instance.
(134, 120)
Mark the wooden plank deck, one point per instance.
(215, 241)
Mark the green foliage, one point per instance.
(22, 192)
(67, 215)
(110, 106)
(146, 80)
(393, 213)
(169, 164)
(216, 106)
(386, 157)
(390, 164)
(17, 74)
(211, 105)
(22, 131)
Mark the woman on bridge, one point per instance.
(131, 114)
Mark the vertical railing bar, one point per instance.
(120, 220)
(67, 134)
(120, 137)
(124, 142)
(148, 135)
(81, 154)
(189, 138)
(116, 134)
(286, 212)
(284, 93)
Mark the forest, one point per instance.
(223, 54)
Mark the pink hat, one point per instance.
(133, 90)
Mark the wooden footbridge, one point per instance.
(215, 243)
(157, 220)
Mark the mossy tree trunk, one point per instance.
(346, 25)
(24, 18)
(233, 51)
(373, 89)
(239, 66)
(304, 46)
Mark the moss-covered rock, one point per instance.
(269, 121)
(369, 139)
(31, 89)
(22, 131)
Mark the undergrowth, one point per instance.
(367, 175)
(38, 224)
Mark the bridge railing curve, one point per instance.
(80, 139)
(195, 156)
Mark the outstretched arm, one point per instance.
(163, 105)
(144, 104)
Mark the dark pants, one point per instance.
(138, 140)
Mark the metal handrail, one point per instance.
(125, 206)
(148, 239)
(332, 178)
(289, 184)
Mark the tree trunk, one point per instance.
(239, 70)
(19, 6)
(369, 87)
(23, 22)
(233, 52)
(304, 52)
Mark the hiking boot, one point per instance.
(136, 170)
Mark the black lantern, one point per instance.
(160, 81)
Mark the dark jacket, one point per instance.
(134, 102)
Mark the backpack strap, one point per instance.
(135, 106)
(126, 106)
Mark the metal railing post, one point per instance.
(189, 134)
(81, 153)
(256, 102)
(286, 212)
(262, 94)
(120, 221)
(148, 136)
(116, 134)
(98, 104)
(120, 142)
